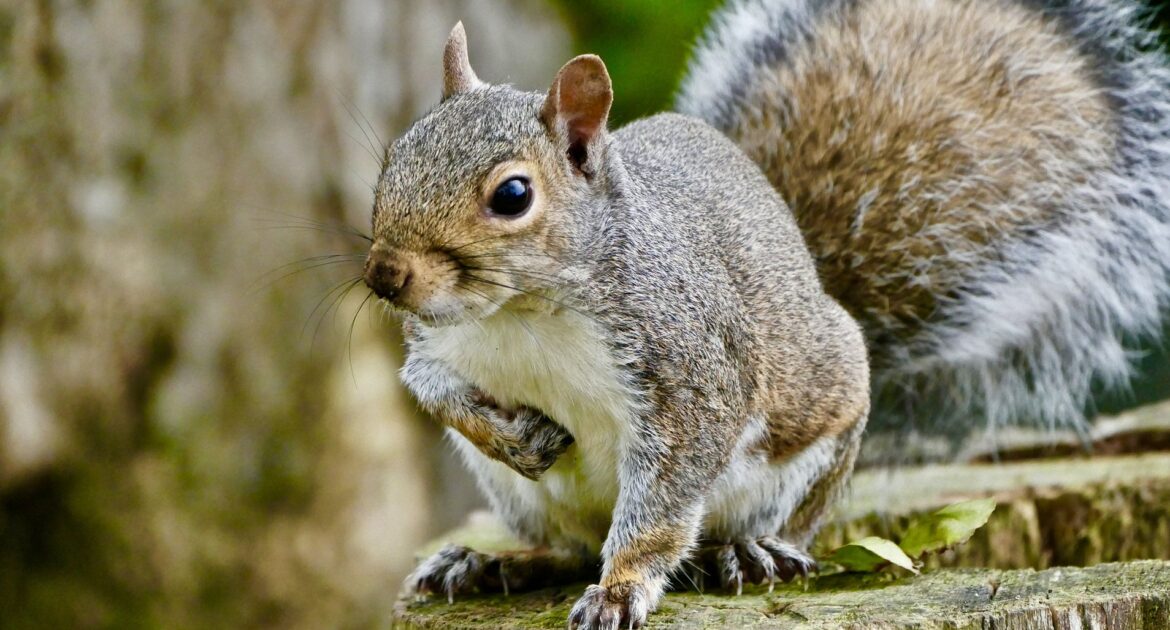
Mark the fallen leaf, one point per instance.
(869, 554)
(947, 527)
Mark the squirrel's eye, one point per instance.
(512, 197)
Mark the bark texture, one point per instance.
(1133, 596)
(180, 444)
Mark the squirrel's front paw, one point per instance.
(622, 606)
(530, 442)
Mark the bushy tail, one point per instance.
(984, 184)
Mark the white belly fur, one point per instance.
(561, 364)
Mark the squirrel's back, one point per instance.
(736, 200)
(983, 184)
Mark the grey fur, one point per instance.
(1061, 308)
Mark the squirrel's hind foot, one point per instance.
(761, 560)
(458, 570)
(453, 570)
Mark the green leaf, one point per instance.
(870, 554)
(947, 527)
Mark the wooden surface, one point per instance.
(1064, 511)
(1130, 595)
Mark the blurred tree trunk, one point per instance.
(185, 441)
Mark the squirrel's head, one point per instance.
(481, 200)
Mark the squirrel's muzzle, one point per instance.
(386, 275)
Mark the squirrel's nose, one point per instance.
(386, 274)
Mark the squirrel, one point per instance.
(654, 345)
(631, 321)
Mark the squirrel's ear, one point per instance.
(457, 73)
(578, 103)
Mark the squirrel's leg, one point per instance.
(665, 473)
(523, 438)
(810, 514)
(777, 548)
(456, 570)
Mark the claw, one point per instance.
(728, 566)
(756, 561)
(603, 609)
(452, 570)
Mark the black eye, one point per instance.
(512, 197)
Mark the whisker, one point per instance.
(300, 222)
(452, 250)
(313, 228)
(540, 275)
(335, 306)
(339, 290)
(370, 143)
(364, 147)
(527, 327)
(689, 577)
(312, 262)
(369, 124)
(363, 180)
(321, 301)
(520, 253)
(476, 278)
(324, 229)
(349, 341)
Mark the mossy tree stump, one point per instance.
(1130, 595)
(1075, 511)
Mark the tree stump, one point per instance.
(1068, 511)
(1128, 595)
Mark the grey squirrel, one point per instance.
(638, 348)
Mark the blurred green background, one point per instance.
(189, 438)
(644, 44)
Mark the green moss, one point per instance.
(1132, 593)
